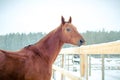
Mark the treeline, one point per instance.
(15, 41)
(101, 36)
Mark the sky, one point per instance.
(26, 16)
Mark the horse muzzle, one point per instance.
(81, 42)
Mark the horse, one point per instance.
(34, 62)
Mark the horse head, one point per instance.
(70, 33)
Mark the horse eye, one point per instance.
(68, 29)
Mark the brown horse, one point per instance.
(34, 62)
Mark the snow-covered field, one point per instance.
(109, 75)
(96, 75)
(111, 72)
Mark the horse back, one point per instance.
(11, 66)
(23, 65)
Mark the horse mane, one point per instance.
(45, 38)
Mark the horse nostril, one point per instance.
(81, 41)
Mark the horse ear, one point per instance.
(70, 20)
(62, 20)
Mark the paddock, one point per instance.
(85, 65)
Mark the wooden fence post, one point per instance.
(53, 74)
(89, 65)
(86, 66)
(62, 65)
(103, 67)
(82, 65)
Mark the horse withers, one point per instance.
(34, 62)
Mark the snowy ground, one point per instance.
(96, 75)
(109, 75)
(112, 70)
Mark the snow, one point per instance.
(109, 75)
(111, 72)
(96, 75)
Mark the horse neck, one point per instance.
(50, 45)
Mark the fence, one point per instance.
(84, 51)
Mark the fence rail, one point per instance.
(83, 51)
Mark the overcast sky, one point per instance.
(26, 16)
